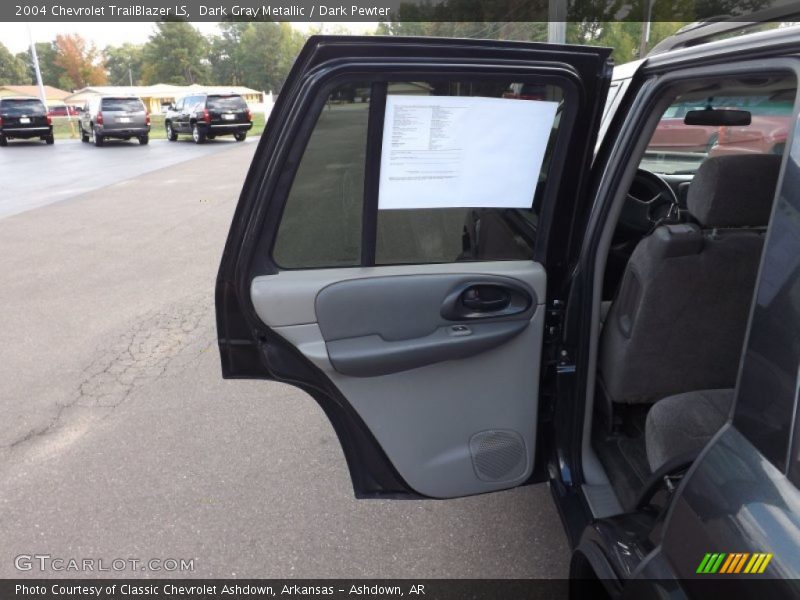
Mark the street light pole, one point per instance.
(645, 38)
(35, 59)
(557, 21)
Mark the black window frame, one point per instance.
(318, 90)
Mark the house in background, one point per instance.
(157, 97)
(53, 96)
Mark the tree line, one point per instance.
(259, 54)
(254, 54)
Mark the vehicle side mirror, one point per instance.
(720, 117)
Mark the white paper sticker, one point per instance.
(462, 151)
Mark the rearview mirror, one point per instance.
(719, 117)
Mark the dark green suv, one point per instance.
(207, 116)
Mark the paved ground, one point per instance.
(45, 174)
(120, 439)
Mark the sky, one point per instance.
(15, 37)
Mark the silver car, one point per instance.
(120, 117)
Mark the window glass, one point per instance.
(191, 101)
(767, 395)
(15, 108)
(442, 235)
(678, 149)
(322, 221)
(122, 104)
(321, 224)
(226, 103)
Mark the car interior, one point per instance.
(680, 276)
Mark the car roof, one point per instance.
(703, 32)
(3, 98)
(212, 94)
(786, 39)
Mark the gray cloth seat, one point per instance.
(678, 321)
(684, 424)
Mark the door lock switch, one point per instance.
(460, 330)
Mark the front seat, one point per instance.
(681, 425)
(679, 318)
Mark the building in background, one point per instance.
(157, 97)
(54, 96)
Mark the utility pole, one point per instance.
(130, 75)
(557, 21)
(35, 59)
(645, 38)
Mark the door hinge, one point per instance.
(554, 322)
(557, 354)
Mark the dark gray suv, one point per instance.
(484, 290)
(118, 117)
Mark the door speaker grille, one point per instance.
(498, 455)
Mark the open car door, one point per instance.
(407, 209)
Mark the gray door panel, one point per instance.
(380, 325)
(450, 427)
(370, 355)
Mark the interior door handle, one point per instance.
(486, 298)
(489, 299)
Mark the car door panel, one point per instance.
(435, 455)
(429, 373)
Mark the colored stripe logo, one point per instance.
(734, 563)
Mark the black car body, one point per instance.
(207, 116)
(457, 351)
(24, 118)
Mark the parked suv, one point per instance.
(472, 316)
(120, 117)
(207, 116)
(24, 118)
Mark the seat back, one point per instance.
(679, 318)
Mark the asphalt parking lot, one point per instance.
(120, 438)
(45, 174)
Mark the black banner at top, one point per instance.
(488, 11)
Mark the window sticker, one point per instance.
(462, 152)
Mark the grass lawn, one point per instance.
(62, 130)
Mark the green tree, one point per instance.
(500, 30)
(124, 63)
(268, 51)
(176, 53)
(226, 54)
(623, 37)
(12, 69)
(51, 72)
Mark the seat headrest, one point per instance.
(734, 191)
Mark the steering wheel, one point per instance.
(650, 202)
